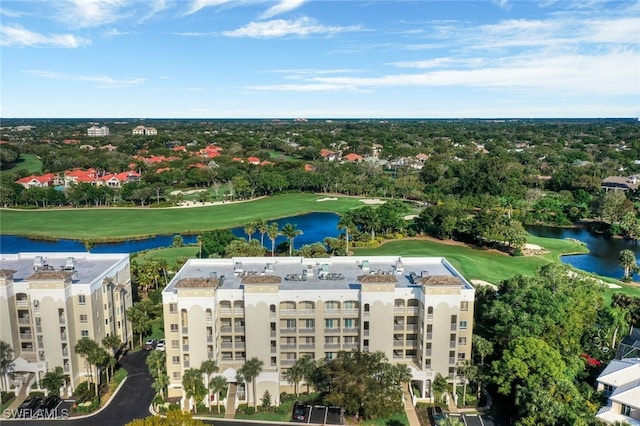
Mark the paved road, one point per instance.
(131, 402)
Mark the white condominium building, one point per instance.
(417, 310)
(48, 302)
(95, 131)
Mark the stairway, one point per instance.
(230, 409)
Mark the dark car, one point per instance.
(300, 412)
(150, 344)
(28, 407)
(51, 403)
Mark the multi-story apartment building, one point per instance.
(142, 130)
(95, 131)
(417, 310)
(48, 302)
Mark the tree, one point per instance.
(208, 367)
(294, 375)
(140, 320)
(628, 262)
(54, 380)
(439, 386)
(217, 385)
(156, 362)
(249, 372)
(291, 232)
(261, 226)
(273, 230)
(193, 386)
(250, 229)
(346, 222)
(173, 418)
(6, 364)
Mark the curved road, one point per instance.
(131, 402)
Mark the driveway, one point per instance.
(131, 402)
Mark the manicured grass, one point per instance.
(112, 224)
(27, 161)
(170, 254)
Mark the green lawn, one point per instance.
(29, 162)
(112, 224)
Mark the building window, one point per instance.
(83, 318)
(463, 325)
(84, 333)
(464, 306)
(174, 328)
(82, 300)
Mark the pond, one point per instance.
(602, 258)
(315, 227)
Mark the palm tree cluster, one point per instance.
(194, 386)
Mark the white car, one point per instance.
(160, 345)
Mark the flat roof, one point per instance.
(88, 266)
(332, 273)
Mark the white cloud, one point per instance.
(282, 7)
(20, 37)
(281, 28)
(198, 5)
(613, 74)
(93, 13)
(103, 82)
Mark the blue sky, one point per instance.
(319, 59)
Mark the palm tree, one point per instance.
(273, 230)
(261, 226)
(628, 262)
(208, 367)
(346, 223)
(54, 380)
(193, 386)
(249, 229)
(217, 385)
(291, 232)
(249, 372)
(294, 375)
(6, 364)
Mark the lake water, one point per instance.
(315, 227)
(603, 252)
(602, 258)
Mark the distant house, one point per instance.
(146, 131)
(37, 181)
(353, 158)
(621, 183)
(118, 179)
(620, 382)
(95, 131)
